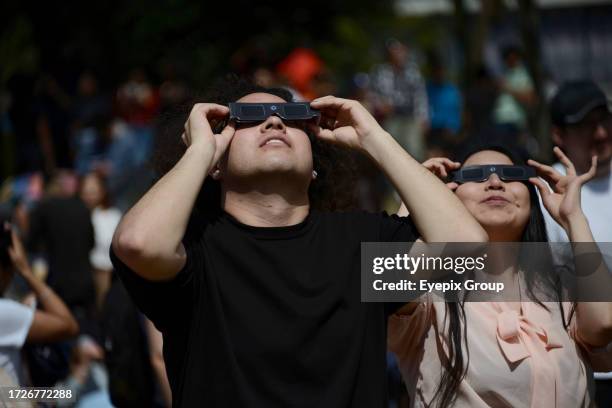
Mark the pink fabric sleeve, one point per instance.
(600, 358)
(405, 331)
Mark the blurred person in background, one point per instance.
(130, 359)
(156, 351)
(399, 98)
(91, 105)
(61, 229)
(87, 378)
(480, 97)
(517, 95)
(23, 322)
(445, 109)
(444, 99)
(582, 126)
(53, 123)
(137, 102)
(104, 219)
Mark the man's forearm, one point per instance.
(437, 212)
(154, 227)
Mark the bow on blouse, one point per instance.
(519, 338)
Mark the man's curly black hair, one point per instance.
(332, 190)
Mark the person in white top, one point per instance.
(104, 219)
(20, 323)
(582, 127)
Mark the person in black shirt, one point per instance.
(259, 302)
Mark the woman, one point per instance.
(20, 323)
(506, 354)
(104, 219)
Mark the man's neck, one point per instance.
(265, 209)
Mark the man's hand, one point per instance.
(344, 121)
(198, 131)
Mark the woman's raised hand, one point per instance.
(441, 167)
(563, 202)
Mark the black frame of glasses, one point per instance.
(301, 111)
(504, 172)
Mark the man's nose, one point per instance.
(273, 122)
(602, 132)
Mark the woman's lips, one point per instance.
(495, 200)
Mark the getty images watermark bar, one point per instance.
(476, 272)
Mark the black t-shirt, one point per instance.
(272, 317)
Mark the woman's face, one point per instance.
(92, 191)
(271, 147)
(501, 207)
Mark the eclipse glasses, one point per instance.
(482, 173)
(258, 112)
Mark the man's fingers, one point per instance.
(211, 109)
(325, 134)
(228, 131)
(330, 105)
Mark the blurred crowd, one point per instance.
(75, 158)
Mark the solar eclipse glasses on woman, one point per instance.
(482, 173)
(258, 112)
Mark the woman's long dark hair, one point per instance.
(332, 190)
(535, 231)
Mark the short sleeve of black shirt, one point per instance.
(394, 228)
(165, 302)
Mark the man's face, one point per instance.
(267, 149)
(590, 137)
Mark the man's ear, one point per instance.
(557, 136)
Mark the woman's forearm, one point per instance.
(594, 319)
(49, 301)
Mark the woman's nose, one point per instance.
(494, 182)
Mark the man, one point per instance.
(517, 93)
(399, 97)
(260, 306)
(582, 127)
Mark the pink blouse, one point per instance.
(515, 360)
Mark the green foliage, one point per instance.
(18, 52)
